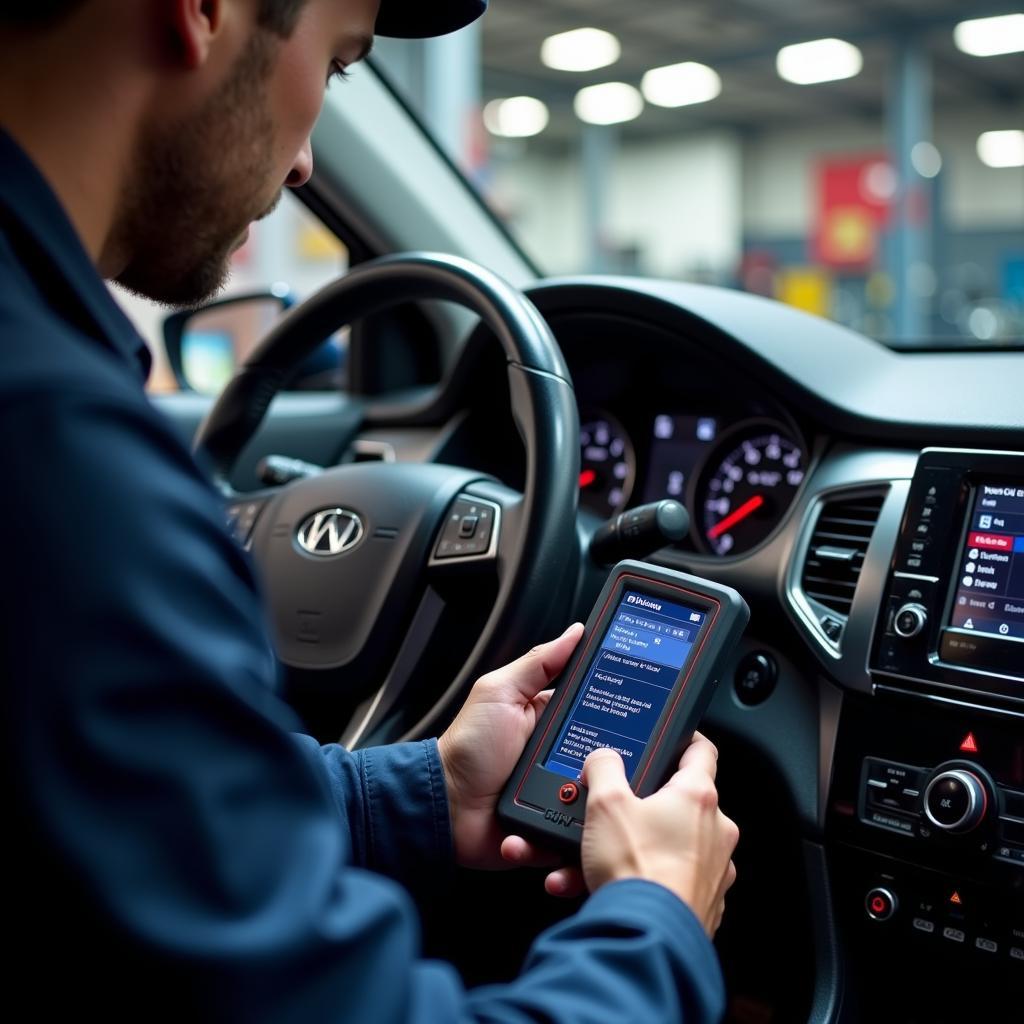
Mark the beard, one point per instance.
(195, 187)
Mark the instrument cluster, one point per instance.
(737, 475)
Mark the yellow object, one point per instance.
(806, 288)
(317, 245)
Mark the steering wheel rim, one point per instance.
(539, 550)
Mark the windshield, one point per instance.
(861, 161)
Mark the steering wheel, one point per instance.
(355, 560)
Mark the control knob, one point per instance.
(910, 620)
(955, 800)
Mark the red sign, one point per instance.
(992, 541)
(854, 194)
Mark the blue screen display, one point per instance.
(641, 654)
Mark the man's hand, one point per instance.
(481, 747)
(677, 837)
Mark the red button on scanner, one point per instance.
(568, 792)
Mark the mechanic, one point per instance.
(174, 848)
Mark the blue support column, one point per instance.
(599, 144)
(909, 244)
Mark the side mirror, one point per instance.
(205, 346)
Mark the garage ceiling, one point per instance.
(739, 39)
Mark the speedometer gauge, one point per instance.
(607, 465)
(745, 494)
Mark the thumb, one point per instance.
(604, 771)
(536, 669)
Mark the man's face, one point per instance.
(199, 182)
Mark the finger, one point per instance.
(540, 702)
(525, 854)
(700, 756)
(719, 914)
(565, 883)
(536, 669)
(603, 771)
(730, 876)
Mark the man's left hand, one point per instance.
(482, 746)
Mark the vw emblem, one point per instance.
(330, 532)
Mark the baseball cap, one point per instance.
(418, 19)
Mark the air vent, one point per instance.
(835, 554)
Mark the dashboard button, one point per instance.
(880, 904)
(955, 800)
(755, 678)
(910, 620)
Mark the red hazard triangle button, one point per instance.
(955, 899)
(970, 744)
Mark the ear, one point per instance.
(194, 24)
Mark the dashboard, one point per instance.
(708, 437)
(869, 505)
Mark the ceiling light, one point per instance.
(987, 37)
(821, 60)
(1002, 149)
(608, 103)
(517, 117)
(582, 49)
(679, 85)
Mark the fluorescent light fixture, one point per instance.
(1002, 149)
(679, 85)
(820, 60)
(988, 37)
(517, 117)
(582, 49)
(608, 103)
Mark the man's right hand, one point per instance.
(677, 837)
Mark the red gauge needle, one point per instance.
(587, 477)
(738, 516)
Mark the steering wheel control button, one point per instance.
(910, 620)
(880, 904)
(755, 678)
(955, 800)
(568, 792)
(241, 518)
(468, 531)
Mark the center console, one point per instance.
(925, 821)
(953, 613)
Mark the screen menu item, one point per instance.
(990, 586)
(647, 644)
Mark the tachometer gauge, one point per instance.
(607, 465)
(742, 497)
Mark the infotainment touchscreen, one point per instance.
(989, 596)
(641, 656)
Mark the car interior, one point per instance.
(484, 420)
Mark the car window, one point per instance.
(864, 162)
(288, 252)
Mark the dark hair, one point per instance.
(279, 16)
